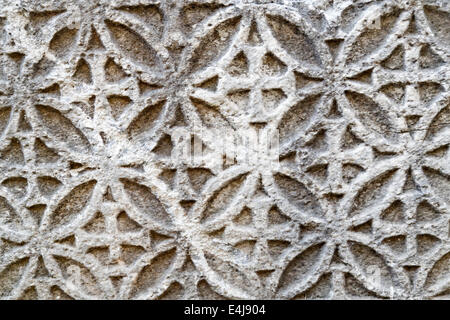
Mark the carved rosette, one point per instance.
(98, 202)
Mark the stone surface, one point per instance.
(98, 202)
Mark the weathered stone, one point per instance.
(103, 103)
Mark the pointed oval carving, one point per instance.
(297, 119)
(210, 115)
(214, 44)
(11, 275)
(372, 192)
(62, 128)
(4, 118)
(133, 45)
(79, 278)
(152, 274)
(145, 121)
(438, 19)
(439, 274)
(373, 266)
(373, 36)
(230, 273)
(72, 204)
(300, 269)
(372, 115)
(298, 195)
(221, 199)
(145, 200)
(439, 123)
(293, 40)
(63, 41)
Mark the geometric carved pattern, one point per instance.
(97, 202)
